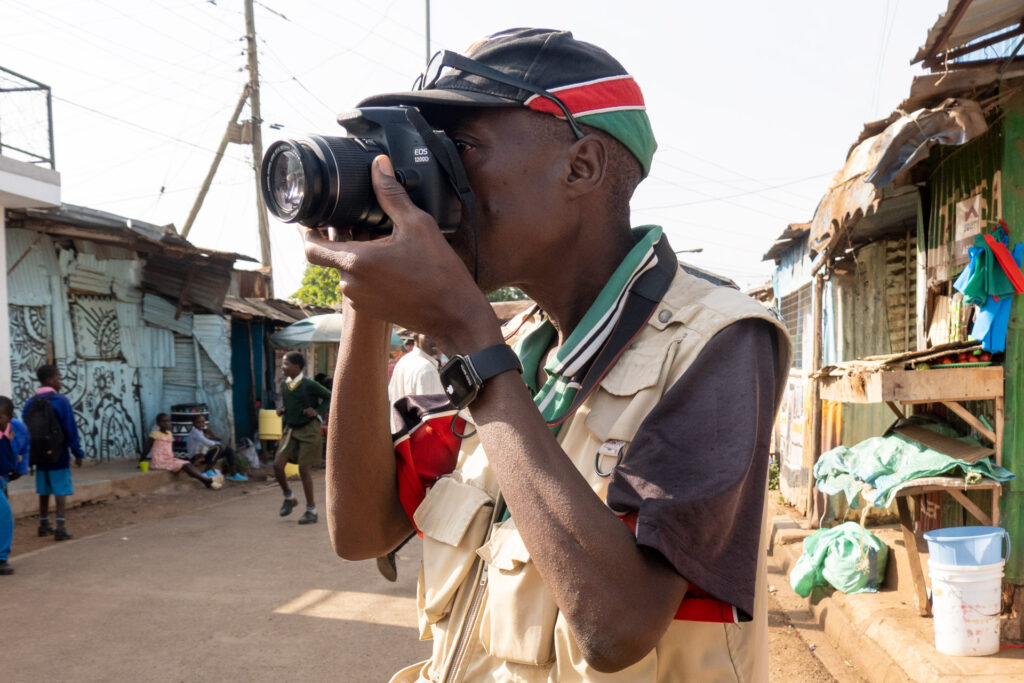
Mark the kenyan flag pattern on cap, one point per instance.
(592, 84)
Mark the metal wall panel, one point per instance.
(147, 347)
(151, 393)
(212, 333)
(160, 312)
(183, 372)
(28, 284)
(85, 274)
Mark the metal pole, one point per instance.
(213, 167)
(49, 119)
(257, 143)
(428, 32)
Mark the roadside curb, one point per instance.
(843, 633)
(91, 489)
(881, 633)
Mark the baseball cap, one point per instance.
(591, 84)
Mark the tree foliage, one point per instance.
(319, 286)
(507, 294)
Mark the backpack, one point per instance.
(45, 432)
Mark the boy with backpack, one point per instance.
(54, 438)
(13, 463)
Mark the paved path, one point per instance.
(231, 593)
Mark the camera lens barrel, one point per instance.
(319, 181)
(325, 181)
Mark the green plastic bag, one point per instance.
(849, 557)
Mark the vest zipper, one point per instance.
(475, 601)
(468, 626)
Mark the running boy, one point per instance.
(303, 403)
(51, 425)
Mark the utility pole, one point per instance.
(231, 134)
(248, 133)
(257, 143)
(427, 60)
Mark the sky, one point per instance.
(754, 104)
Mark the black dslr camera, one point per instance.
(325, 181)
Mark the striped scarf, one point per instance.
(569, 365)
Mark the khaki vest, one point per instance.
(481, 599)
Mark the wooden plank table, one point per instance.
(950, 387)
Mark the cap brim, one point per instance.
(437, 97)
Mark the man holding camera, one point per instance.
(591, 493)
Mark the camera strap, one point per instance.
(448, 157)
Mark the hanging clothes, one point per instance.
(991, 278)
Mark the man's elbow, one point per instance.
(349, 544)
(611, 650)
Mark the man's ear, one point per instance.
(588, 164)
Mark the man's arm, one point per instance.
(364, 515)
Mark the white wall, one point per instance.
(5, 329)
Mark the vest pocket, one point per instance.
(453, 518)
(518, 620)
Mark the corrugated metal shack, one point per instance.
(872, 273)
(131, 314)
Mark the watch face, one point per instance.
(458, 381)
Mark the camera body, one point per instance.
(322, 181)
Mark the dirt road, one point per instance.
(185, 584)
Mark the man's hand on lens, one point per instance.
(411, 277)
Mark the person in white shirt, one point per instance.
(416, 374)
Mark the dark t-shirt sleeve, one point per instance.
(695, 472)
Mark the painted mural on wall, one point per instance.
(94, 320)
(30, 338)
(104, 394)
(106, 400)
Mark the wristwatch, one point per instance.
(463, 376)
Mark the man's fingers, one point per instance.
(392, 196)
(322, 251)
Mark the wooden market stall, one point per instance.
(903, 379)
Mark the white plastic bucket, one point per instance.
(966, 602)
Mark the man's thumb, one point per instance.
(392, 196)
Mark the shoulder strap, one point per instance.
(641, 301)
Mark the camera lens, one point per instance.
(287, 182)
(321, 181)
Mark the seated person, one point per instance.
(160, 452)
(205, 449)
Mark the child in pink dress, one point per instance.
(160, 446)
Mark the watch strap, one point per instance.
(495, 360)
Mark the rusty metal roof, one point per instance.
(965, 21)
(790, 236)
(68, 220)
(272, 309)
(857, 189)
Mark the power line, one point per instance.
(718, 165)
(726, 198)
(143, 128)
